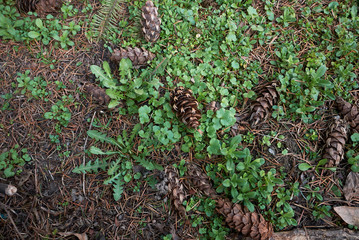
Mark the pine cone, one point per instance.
(138, 56)
(349, 112)
(176, 189)
(185, 106)
(42, 7)
(98, 94)
(243, 221)
(150, 22)
(267, 97)
(334, 146)
(200, 180)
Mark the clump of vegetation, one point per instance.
(269, 69)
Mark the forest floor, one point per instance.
(39, 152)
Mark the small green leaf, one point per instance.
(143, 114)
(107, 68)
(113, 104)
(257, 28)
(117, 191)
(235, 141)
(127, 177)
(304, 166)
(227, 183)
(320, 72)
(214, 147)
(48, 115)
(125, 65)
(38, 23)
(252, 11)
(230, 165)
(235, 65)
(97, 151)
(33, 34)
(249, 205)
(8, 172)
(355, 137)
(231, 37)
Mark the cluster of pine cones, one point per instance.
(238, 217)
(338, 133)
(151, 28)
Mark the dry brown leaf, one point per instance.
(350, 215)
(82, 236)
(351, 188)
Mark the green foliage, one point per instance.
(12, 161)
(118, 163)
(90, 167)
(36, 86)
(9, 25)
(353, 160)
(13, 27)
(60, 113)
(244, 181)
(106, 20)
(221, 55)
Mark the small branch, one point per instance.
(9, 190)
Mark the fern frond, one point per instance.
(111, 12)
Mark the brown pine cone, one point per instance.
(150, 22)
(349, 113)
(334, 146)
(185, 106)
(138, 56)
(242, 220)
(98, 94)
(260, 108)
(42, 7)
(200, 180)
(176, 189)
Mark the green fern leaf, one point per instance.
(90, 167)
(108, 17)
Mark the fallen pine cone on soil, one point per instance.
(185, 106)
(98, 94)
(349, 113)
(198, 179)
(250, 224)
(176, 189)
(138, 56)
(151, 22)
(334, 146)
(260, 108)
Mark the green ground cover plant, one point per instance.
(223, 53)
